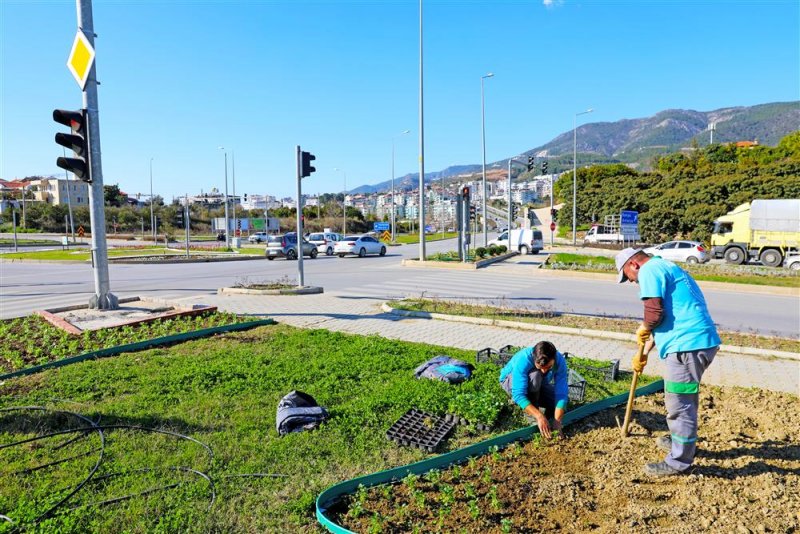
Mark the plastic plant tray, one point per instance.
(576, 386)
(610, 371)
(420, 429)
(497, 357)
(458, 420)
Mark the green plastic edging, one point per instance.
(333, 493)
(139, 345)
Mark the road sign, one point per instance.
(81, 231)
(380, 226)
(629, 218)
(81, 59)
(552, 227)
(386, 236)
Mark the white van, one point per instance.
(523, 240)
(599, 233)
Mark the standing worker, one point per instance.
(536, 379)
(675, 312)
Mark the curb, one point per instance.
(717, 286)
(585, 332)
(306, 290)
(457, 264)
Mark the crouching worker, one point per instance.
(536, 380)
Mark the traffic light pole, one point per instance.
(300, 279)
(103, 298)
(552, 219)
(508, 228)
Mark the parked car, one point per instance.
(285, 246)
(792, 262)
(685, 251)
(258, 237)
(324, 241)
(360, 246)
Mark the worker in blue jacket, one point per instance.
(536, 380)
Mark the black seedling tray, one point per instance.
(420, 430)
(610, 371)
(458, 420)
(497, 357)
(576, 386)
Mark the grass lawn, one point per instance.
(223, 391)
(82, 254)
(549, 317)
(10, 242)
(734, 274)
(407, 239)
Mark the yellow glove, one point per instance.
(639, 360)
(642, 335)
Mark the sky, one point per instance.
(178, 79)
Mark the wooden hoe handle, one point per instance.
(629, 407)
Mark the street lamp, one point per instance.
(483, 142)
(575, 174)
(227, 225)
(344, 204)
(152, 217)
(393, 208)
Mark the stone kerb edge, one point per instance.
(732, 349)
(456, 264)
(308, 290)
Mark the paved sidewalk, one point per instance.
(363, 315)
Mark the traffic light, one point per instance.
(306, 168)
(179, 217)
(531, 164)
(553, 213)
(465, 192)
(513, 211)
(473, 213)
(544, 167)
(77, 141)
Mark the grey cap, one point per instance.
(621, 259)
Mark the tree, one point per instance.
(112, 196)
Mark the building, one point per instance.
(54, 191)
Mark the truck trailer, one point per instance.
(763, 230)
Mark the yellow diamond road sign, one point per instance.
(81, 59)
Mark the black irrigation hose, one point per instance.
(151, 490)
(77, 488)
(57, 462)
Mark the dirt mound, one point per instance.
(746, 478)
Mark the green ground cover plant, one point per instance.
(407, 239)
(29, 341)
(551, 317)
(734, 274)
(223, 391)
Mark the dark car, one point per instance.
(221, 236)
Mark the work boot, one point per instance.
(664, 443)
(660, 469)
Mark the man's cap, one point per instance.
(621, 259)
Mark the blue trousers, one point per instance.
(682, 376)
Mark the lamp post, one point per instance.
(575, 174)
(233, 177)
(421, 147)
(393, 208)
(344, 203)
(227, 225)
(152, 217)
(483, 143)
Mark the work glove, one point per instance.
(639, 360)
(642, 335)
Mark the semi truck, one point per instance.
(763, 230)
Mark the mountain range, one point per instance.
(635, 141)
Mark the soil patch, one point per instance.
(746, 478)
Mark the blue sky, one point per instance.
(180, 78)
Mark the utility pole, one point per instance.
(421, 148)
(103, 298)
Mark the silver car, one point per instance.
(683, 251)
(285, 246)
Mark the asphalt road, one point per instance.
(25, 287)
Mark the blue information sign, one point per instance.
(380, 226)
(629, 217)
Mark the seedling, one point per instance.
(486, 477)
(495, 450)
(469, 491)
(506, 525)
(494, 500)
(434, 476)
(456, 471)
(411, 481)
(448, 496)
(474, 509)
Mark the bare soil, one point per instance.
(746, 478)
